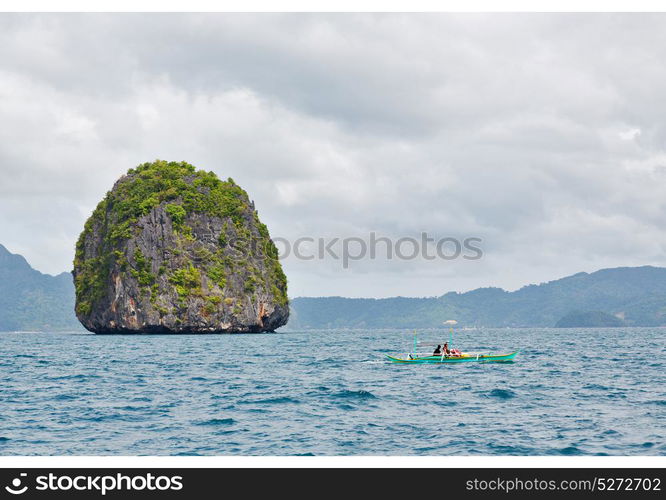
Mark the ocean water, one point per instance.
(569, 392)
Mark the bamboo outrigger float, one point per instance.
(454, 356)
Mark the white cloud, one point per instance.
(537, 133)
(630, 134)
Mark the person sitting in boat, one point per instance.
(438, 350)
(451, 352)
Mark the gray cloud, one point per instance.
(541, 134)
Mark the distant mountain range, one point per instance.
(636, 296)
(30, 300)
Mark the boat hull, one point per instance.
(465, 358)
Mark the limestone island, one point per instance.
(172, 249)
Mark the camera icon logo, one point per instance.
(15, 488)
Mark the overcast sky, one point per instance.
(543, 135)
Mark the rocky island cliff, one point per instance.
(172, 249)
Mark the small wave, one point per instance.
(501, 394)
(79, 376)
(427, 449)
(445, 403)
(272, 401)
(133, 408)
(217, 421)
(103, 418)
(277, 401)
(355, 395)
(597, 387)
(3, 439)
(225, 432)
(64, 397)
(570, 450)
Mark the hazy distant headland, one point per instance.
(635, 296)
(30, 300)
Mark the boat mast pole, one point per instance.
(414, 351)
(450, 322)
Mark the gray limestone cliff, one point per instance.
(174, 250)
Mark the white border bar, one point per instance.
(333, 462)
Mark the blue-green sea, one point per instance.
(569, 392)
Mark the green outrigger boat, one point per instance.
(455, 356)
(465, 357)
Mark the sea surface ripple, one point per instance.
(570, 392)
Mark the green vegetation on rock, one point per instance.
(187, 281)
(141, 270)
(177, 214)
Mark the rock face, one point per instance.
(174, 250)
